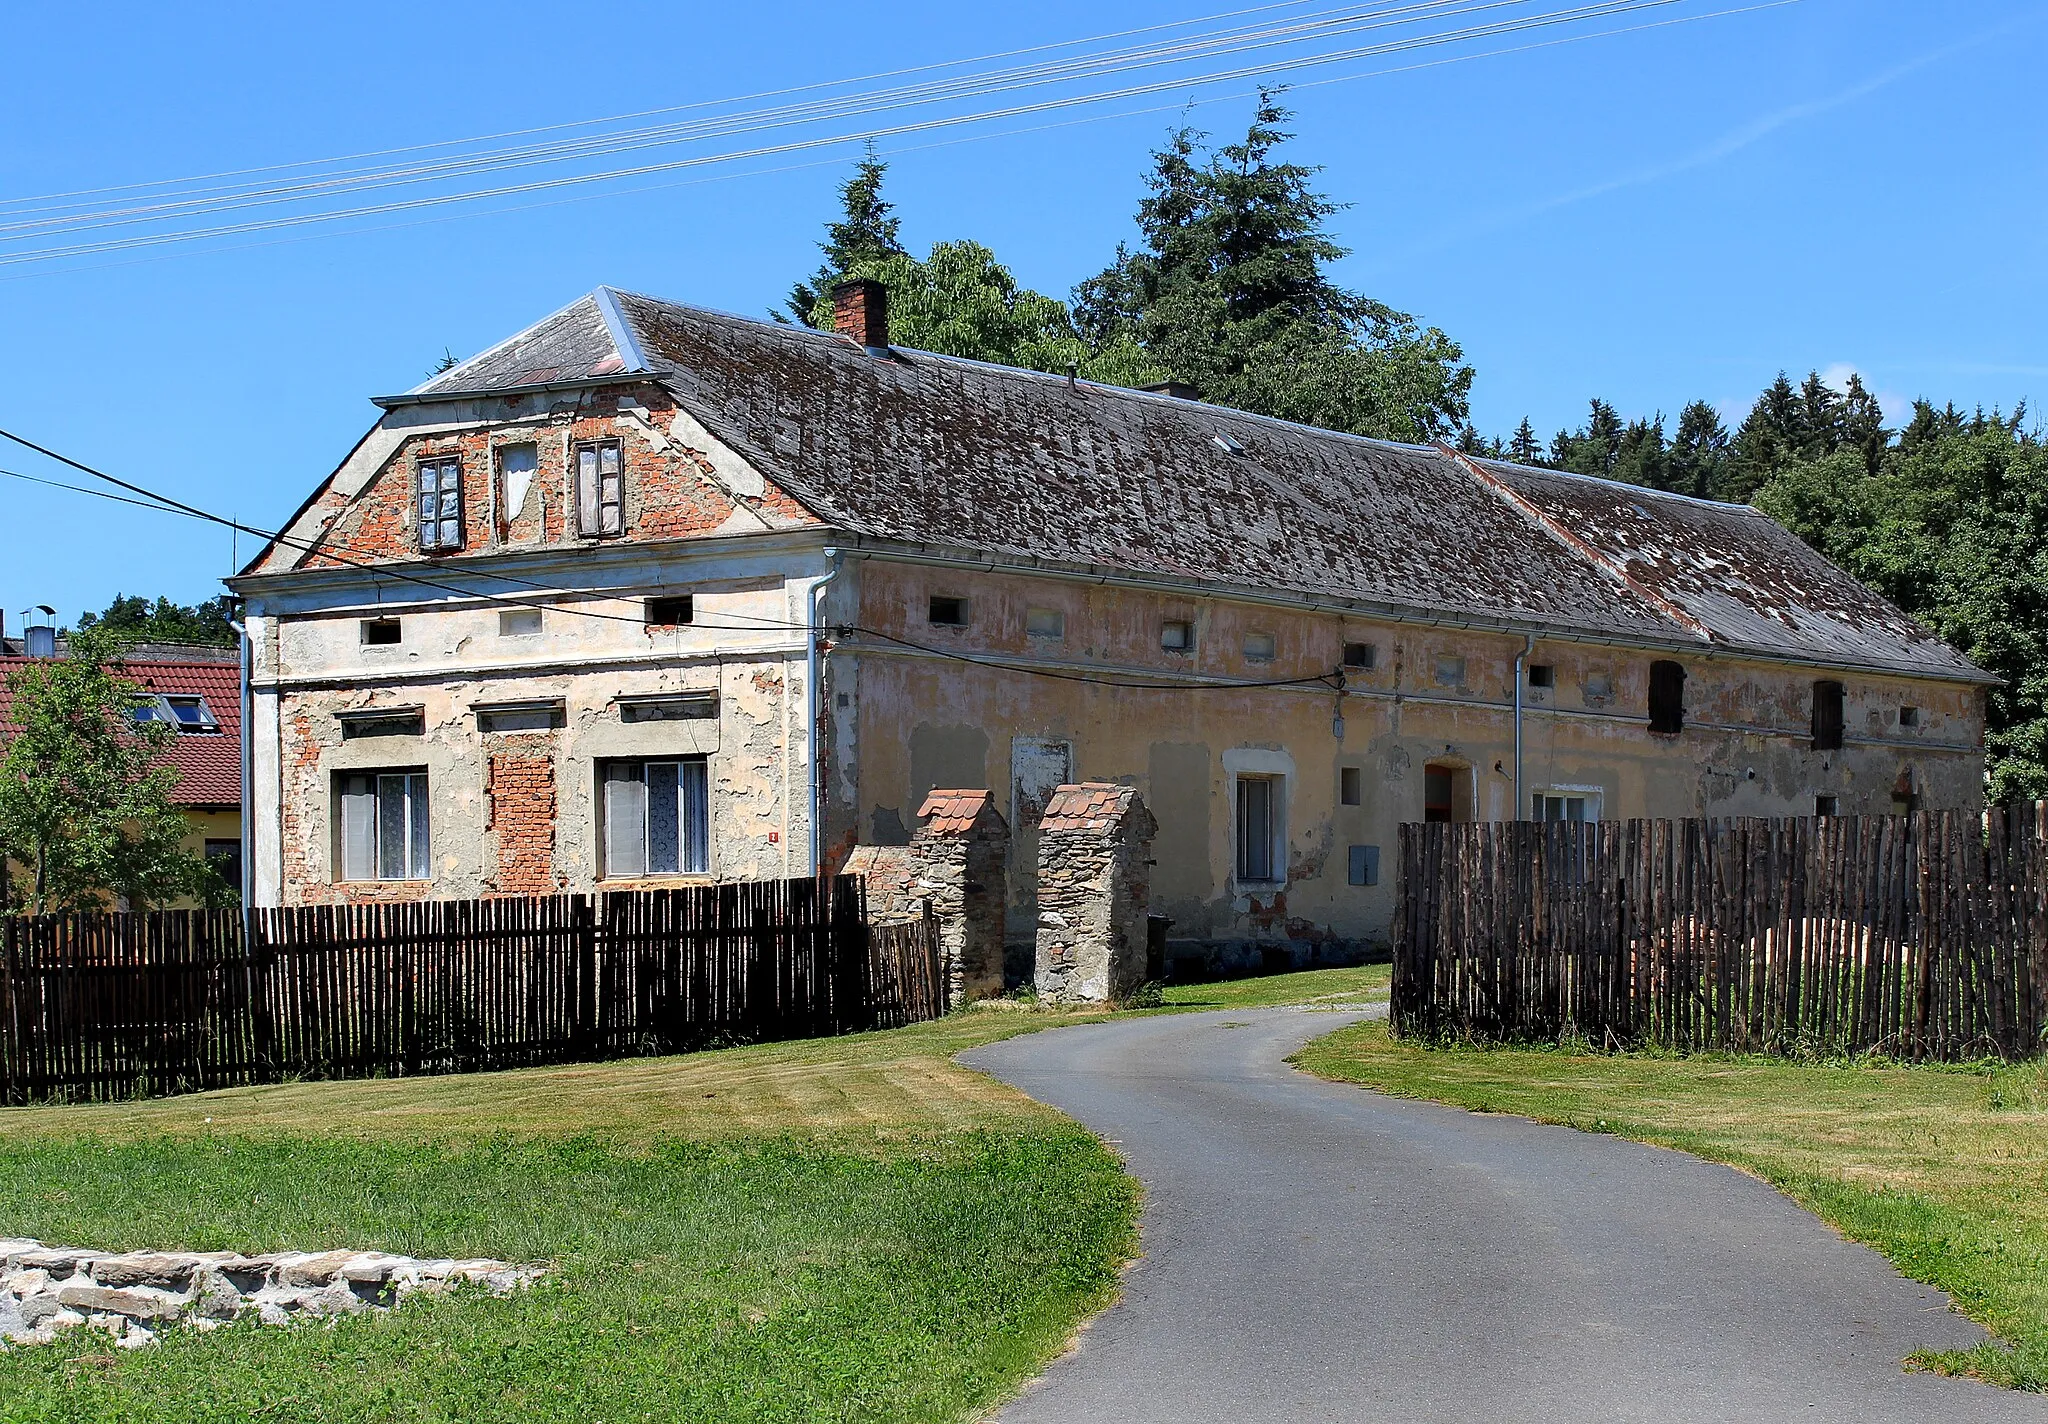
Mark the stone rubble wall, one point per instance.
(1094, 887)
(957, 862)
(46, 1291)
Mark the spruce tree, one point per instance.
(1229, 289)
(1699, 451)
(865, 232)
(1524, 448)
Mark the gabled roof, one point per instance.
(209, 763)
(937, 450)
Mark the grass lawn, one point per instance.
(1944, 1170)
(840, 1229)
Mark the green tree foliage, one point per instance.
(85, 808)
(1229, 289)
(132, 618)
(1950, 522)
(1698, 462)
(865, 233)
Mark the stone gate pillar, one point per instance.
(1094, 883)
(956, 862)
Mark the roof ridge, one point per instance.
(1648, 490)
(496, 347)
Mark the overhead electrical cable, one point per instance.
(1601, 8)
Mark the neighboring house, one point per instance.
(197, 691)
(659, 593)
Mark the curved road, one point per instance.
(1315, 1251)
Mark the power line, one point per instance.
(166, 504)
(1602, 8)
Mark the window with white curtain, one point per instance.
(657, 817)
(383, 825)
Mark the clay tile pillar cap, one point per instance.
(860, 312)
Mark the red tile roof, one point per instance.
(209, 763)
(1087, 805)
(954, 813)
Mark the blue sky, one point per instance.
(1652, 217)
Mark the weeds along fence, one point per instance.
(1921, 936)
(108, 1006)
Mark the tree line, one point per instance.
(1227, 287)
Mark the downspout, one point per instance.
(814, 687)
(248, 775)
(1521, 676)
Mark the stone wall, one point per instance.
(956, 861)
(1094, 885)
(46, 1291)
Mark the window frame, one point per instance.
(1258, 847)
(369, 630)
(414, 854)
(432, 531)
(1588, 798)
(954, 603)
(598, 504)
(1052, 624)
(1186, 627)
(691, 823)
(1360, 657)
(1260, 647)
(684, 603)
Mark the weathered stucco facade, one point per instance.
(851, 575)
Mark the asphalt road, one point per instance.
(1314, 1251)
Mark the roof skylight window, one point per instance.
(1228, 444)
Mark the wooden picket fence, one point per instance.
(1921, 936)
(107, 1006)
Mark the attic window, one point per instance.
(440, 491)
(1047, 623)
(518, 622)
(600, 480)
(1258, 647)
(380, 632)
(947, 612)
(1361, 655)
(1177, 635)
(1542, 675)
(1450, 672)
(538, 716)
(672, 611)
(1667, 698)
(187, 712)
(1909, 716)
(1228, 444)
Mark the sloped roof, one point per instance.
(955, 813)
(1089, 806)
(933, 449)
(209, 763)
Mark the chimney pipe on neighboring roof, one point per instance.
(860, 310)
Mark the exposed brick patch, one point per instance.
(520, 796)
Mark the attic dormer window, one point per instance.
(440, 487)
(600, 489)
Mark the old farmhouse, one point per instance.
(649, 593)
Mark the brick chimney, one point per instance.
(860, 310)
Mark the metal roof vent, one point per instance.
(39, 631)
(1227, 444)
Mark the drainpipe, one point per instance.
(248, 776)
(815, 686)
(1521, 676)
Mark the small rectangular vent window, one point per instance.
(1177, 635)
(947, 612)
(518, 622)
(380, 632)
(1825, 805)
(672, 611)
(519, 717)
(1258, 647)
(1350, 786)
(1048, 623)
(389, 722)
(677, 707)
(1450, 672)
(1361, 655)
(1542, 675)
(1909, 716)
